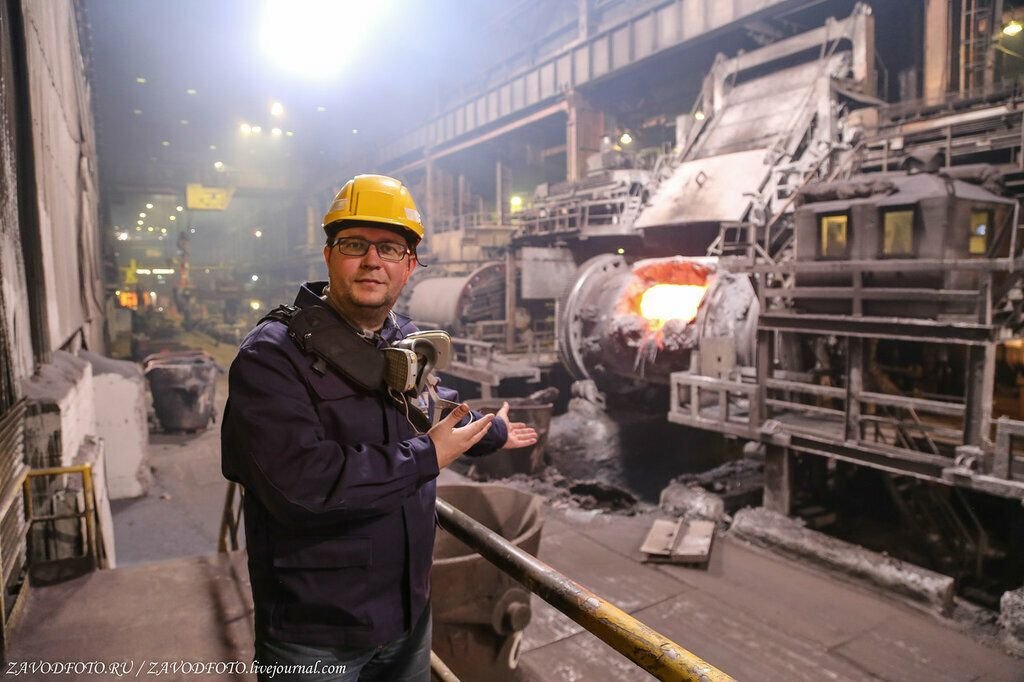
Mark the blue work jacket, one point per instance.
(339, 493)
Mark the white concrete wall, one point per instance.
(119, 394)
(61, 411)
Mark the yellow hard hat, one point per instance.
(375, 199)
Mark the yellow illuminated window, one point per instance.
(833, 235)
(978, 244)
(898, 233)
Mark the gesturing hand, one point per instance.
(451, 440)
(519, 434)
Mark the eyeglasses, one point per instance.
(357, 246)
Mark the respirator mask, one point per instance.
(410, 363)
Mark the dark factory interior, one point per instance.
(537, 340)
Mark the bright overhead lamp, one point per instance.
(244, 128)
(218, 164)
(172, 217)
(276, 132)
(139, 222)
(289, 134)
(276, 109)
(140, 80)
(165, 143)
(142, 215)
(256, 130)
(1013, 28)
(179, 209)
(190, 91)
(301, 36)
(258, 234)
(149, 205)
(355, 131)
(625, 139)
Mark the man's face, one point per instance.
(366, 287)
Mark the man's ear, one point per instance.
(327, 255)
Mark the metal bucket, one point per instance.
(503, 463)
(183, 385)
(479, 612)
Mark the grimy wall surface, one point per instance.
(67, 196)
(50, 276)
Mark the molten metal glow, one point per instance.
(664, 302)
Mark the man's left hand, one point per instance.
(519, 434)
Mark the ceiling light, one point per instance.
(184, 121)
(300, 36)
(355, 131)
(276, 132)
(289, 133)
(276, 109)
(1013, 28)
(142, 215)
(255, 278)
(149, 229)
(190, 91)
(179, 209)
(245, 129)
(140, 80)
(258, 234)
(166, 143)
(321, 109)
(137, 111)
(193, 231)
(257, 130)
(218, 164)
(172, 217)
(149, 205)
(138, 228)
(163, 230)
(139, 222)
(625, 139)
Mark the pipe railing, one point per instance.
(641, 644)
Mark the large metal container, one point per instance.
(505, 462)
(183, 385)
(479, 612)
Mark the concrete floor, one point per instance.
(753, 614)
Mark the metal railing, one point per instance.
(641, 644)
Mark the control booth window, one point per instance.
(898, 232)
(981, 224)
(834, 232)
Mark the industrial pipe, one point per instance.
(647, 648)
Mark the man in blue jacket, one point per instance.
(339, 482)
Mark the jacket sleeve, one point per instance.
(273, 442)
(496, 435)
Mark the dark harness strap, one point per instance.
(319, 332)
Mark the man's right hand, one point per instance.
(451, 440)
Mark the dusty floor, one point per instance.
(753, 614)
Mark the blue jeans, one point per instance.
(406, 659)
